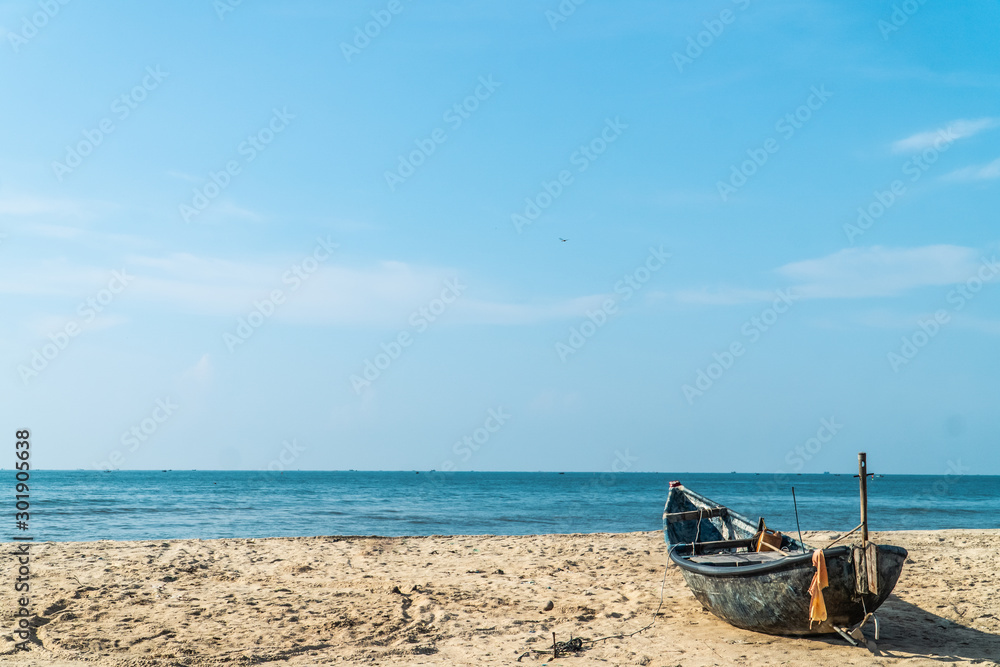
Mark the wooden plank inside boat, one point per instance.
(733, 560)
(674, 517)
(719, 545)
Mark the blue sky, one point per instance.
(251, 235)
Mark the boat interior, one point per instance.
(737, 559)
(709, 534)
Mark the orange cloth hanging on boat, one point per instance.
(817, 606)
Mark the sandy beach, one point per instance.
(460, 600)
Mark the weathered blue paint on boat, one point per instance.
(768, 591)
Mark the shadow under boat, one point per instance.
(908, 631)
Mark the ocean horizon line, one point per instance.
(510, 472)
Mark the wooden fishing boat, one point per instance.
(760, 580)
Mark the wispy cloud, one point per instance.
(56, 277)
(349, 226)
(891, 319)
(228, 209)
(76, 234)
(723, 296)
(953, 131)
(53, 231)
(878, 271)
(983, 172)
(44, 325)
(183, 176)
(222, 211)
(386, 293)
(928, 76)
(856, 273)
(27, 206)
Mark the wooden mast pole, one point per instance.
(863, 476)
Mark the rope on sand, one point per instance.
(575, 644)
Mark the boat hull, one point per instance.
(774, 598)
(769, 592)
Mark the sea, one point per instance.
(173, 504)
